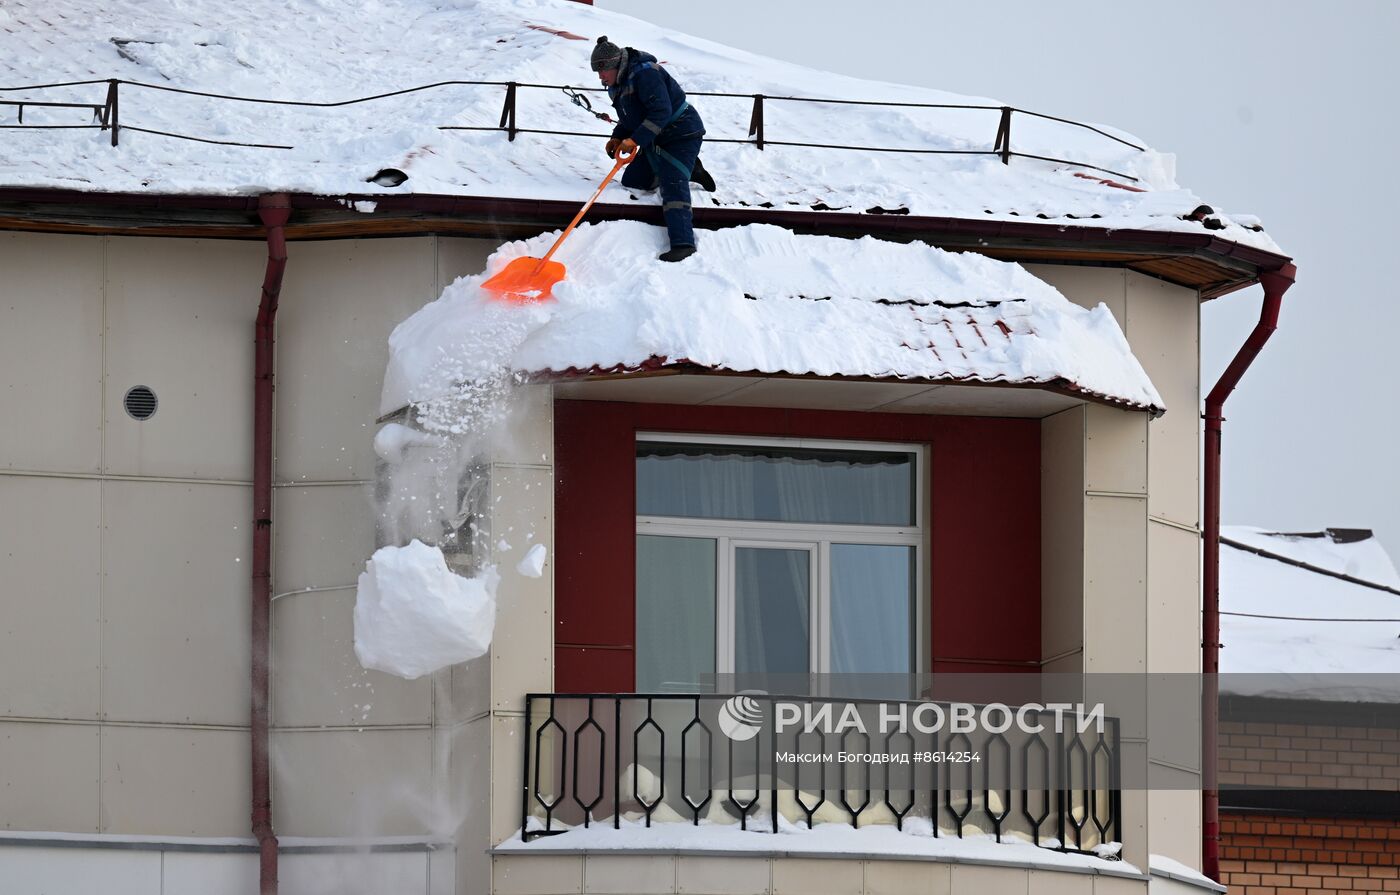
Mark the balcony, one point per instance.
(772, 764)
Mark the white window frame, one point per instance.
(817, 537)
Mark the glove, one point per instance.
(627, 146)
(611, 148)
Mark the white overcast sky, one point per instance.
(1283, 109)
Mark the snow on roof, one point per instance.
(320, 50)
(763, 299)
(1298, 656)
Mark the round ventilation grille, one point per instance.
(140, 402)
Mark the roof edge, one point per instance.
(549, 214)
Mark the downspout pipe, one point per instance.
(274, 209)
(1275, 283)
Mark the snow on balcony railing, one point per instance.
(759, 762)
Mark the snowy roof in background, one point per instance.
(762, 299)
(323, 50)
(1285, 657)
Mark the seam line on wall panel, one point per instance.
(1140, 741)
(542, 467)
(314, 590)
(116, 477)
(1173, 765)
(1072, 651)
(327, 483)
(1127, 495)
(343, 728)
(1160, 520)
(90, 722)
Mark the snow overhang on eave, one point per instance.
(1202, 261)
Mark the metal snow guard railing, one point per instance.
(654, 755)
(108, 117)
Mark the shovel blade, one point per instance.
(525, 280)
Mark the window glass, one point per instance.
(772, 600)
(872, 616)
(675, 613)
(774, 484)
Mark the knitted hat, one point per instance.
(606, 55)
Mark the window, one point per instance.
(782, 558)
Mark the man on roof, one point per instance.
(655, 119)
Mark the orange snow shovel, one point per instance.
(530, 279)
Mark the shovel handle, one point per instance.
(622, 159)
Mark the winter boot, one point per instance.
(677, 253)
(701, 178)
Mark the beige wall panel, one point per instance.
(442, 874)
(166, 781)
(1164, 326)
(180, 318)
(51, 352)
(817, 876)
(1062, 532)
(49, 588)
(1049, 882)
(973, 880)
(528, 435)
(196, 873)
(722, 876)
(1115, 584)
(460, 257)
(1117, 885)
(628, 875)
(70, 871)
(1176, 824)
(467, 692)
(522, 654)
(316, 678)
(536, 874)
(471, 790)
(175, 615)
(354, 783)
(390, 873)
(908, 878)
(1115, 450)
(322, 536)
(1088, 286)
(1173, 600)
(48, 777)
(1133, 756)
(507, 774)
(340, 301)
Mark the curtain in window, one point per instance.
(772, 610)
(775, 484)
(872, 617)
(675, 613)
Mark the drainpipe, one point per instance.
(274, 209)
(1275, 283)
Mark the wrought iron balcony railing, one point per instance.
(761, 762)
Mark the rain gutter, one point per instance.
(273, 209)
(1275, 284)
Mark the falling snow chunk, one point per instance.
(532, 566)
(413, 616)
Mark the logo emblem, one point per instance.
(740, 717)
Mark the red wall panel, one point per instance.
(984, 527)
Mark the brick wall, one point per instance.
(1312, 756)
(1263, 854)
